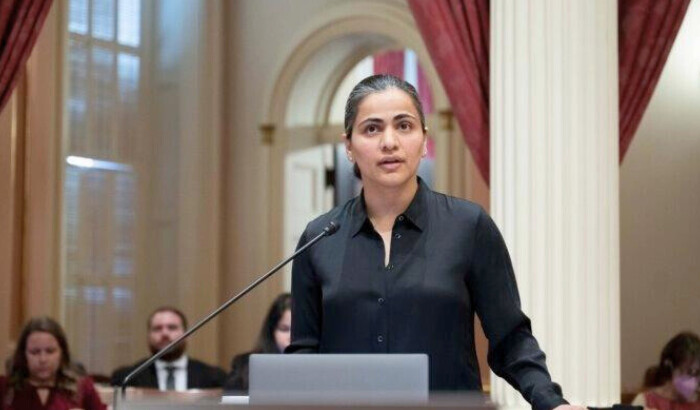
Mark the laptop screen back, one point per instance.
(338, 378)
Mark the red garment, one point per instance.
(655, 401)
(59, 399)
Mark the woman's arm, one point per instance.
(306, 304)
(513, 351)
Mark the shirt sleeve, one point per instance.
(90, 398)
(306, 304)
(514, 354)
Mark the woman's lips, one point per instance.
(390, 164)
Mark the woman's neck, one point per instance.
(42, 383)
(384, 204)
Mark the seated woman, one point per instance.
(41, 376)
(274, 338)
(673, 383)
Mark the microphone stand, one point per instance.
(327, 231)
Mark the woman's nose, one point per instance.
(389, 139)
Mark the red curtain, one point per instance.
(456, 34)
(647, 29)
(389, 62)
(424, 91)
(20, 23)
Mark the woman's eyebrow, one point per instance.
(403, 116)
(371, 120)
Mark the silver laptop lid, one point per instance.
(338, 378)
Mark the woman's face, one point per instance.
(43, 357)
(387, 141)
(685, 380)
(282, 331)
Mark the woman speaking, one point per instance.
(410, 267)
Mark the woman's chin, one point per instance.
(43, 378)
(394, 180)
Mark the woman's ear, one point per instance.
(348, 148)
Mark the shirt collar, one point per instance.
(415, 213)
(180, 363)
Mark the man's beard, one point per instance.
(173, 354)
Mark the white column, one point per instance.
(554, 184)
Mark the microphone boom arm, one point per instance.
(327, 231)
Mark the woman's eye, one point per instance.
(371, 129)
(405, 126)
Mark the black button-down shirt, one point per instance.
(448, 261)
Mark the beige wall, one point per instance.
(250, 68)
(29, 213)
(660, 213)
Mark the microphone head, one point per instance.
(332, 228)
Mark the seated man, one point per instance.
(175, 370)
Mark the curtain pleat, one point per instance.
(20, 24)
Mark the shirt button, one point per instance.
(397, 236)
(401, 218)
(380, 339)
(381, 301)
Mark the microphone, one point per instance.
(329, 230)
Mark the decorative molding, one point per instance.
(267, 134)
(446, 120)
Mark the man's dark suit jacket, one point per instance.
(199, 376)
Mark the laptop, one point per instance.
(351, 379)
